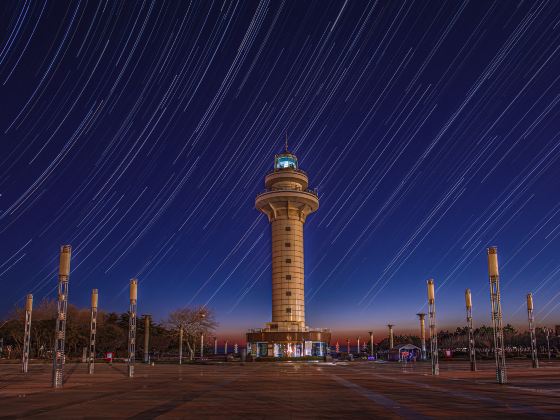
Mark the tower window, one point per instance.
(288, 310)
(288, 277)
(287, 244)
(288, 293)
(288, 260)
(288, 228)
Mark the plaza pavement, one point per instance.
(282, 390)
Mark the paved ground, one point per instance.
(282, 390)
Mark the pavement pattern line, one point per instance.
(377, 398)
(517, 407)
(173, 404)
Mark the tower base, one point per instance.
(288, 343)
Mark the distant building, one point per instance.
(287, 201)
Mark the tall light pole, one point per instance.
(433, 331)
(391, 340)
(348, 345)
(27, 333)
(202, 316)
(547, 335)
(181, 344)
(472, 352)
(422, 317)
(92, 330)
(146, 338)
(497, 323)
(358, 339)
(215, 346)
(371, 343)
(132, 327)
(225, 347)
(530, 316)
(62, 311)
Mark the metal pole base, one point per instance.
(501, 376)
(435, 370)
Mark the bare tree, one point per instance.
(194, 322)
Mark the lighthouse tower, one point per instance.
(287, 201)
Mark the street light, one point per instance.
(202, 316)
(547, 333)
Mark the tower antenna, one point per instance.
(286, 142)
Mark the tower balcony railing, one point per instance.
(309, 191)
(277, 170)
(293, 329)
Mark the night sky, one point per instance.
(140, 132)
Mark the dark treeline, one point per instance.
(112, 334)
(112, 331)
(516, 341)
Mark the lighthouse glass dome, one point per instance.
(285, 161)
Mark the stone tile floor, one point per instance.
(282, 390)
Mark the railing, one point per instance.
(288, 329)
(276, 170)
(269, 190)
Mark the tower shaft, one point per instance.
(288, 305)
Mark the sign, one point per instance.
(109, 356)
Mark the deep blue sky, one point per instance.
(140, 132)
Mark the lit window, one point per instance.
(287, 161)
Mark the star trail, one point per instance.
(140, 132)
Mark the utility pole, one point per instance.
(422, 317)
(497, 323)
(132, 327)
(530, 316)
(93, 330)
(370, 343)
(62, 311)
(472, 352)
(146, 338)
(27, 333)
(433, 331)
